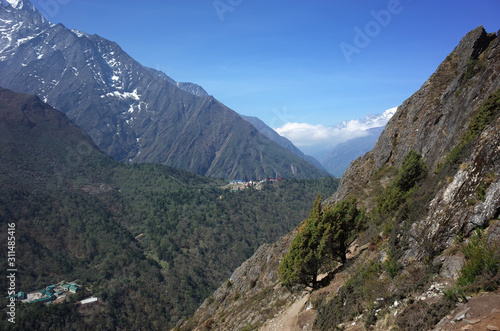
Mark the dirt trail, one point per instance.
(288, 320)
(482, 312)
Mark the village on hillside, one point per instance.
(238, 185)
(56, 293)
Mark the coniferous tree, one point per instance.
(339, 222)
(301, 264)
(324, 236)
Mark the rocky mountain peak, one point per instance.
(16, 4)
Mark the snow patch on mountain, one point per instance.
(17, 4)
(79, 33)
(370, 121)
(124, 95)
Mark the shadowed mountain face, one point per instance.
(134, 113)
(39, 145)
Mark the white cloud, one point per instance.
(318, 137)
(304, 134)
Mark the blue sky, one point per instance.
(287, 61)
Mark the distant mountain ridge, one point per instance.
(370, 120)
(338, 159)
(357, 137)
(133, 113)
(280, 140)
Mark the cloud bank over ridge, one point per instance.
(314, 138)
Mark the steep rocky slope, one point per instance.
(432, 120)
(406, 265)
(134, 113)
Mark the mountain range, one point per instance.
(338, 159)
(134, 113)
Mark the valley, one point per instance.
(168, 210)
(142, 237)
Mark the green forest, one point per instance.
(152, 242)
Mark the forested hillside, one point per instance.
(150, 241)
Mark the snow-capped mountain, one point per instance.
(337, 159)
(336, 146)
(133, 113)
(16, 4)
(19, 23)
(369, 122)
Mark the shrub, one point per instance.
(423, 316)
(356, 296)
(482, 259)
(487, 113)
(209, 324)
(471, 70)
(412, 171)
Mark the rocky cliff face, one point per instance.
(461, 191)
(432, 120)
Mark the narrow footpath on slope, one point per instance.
(289, 319)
